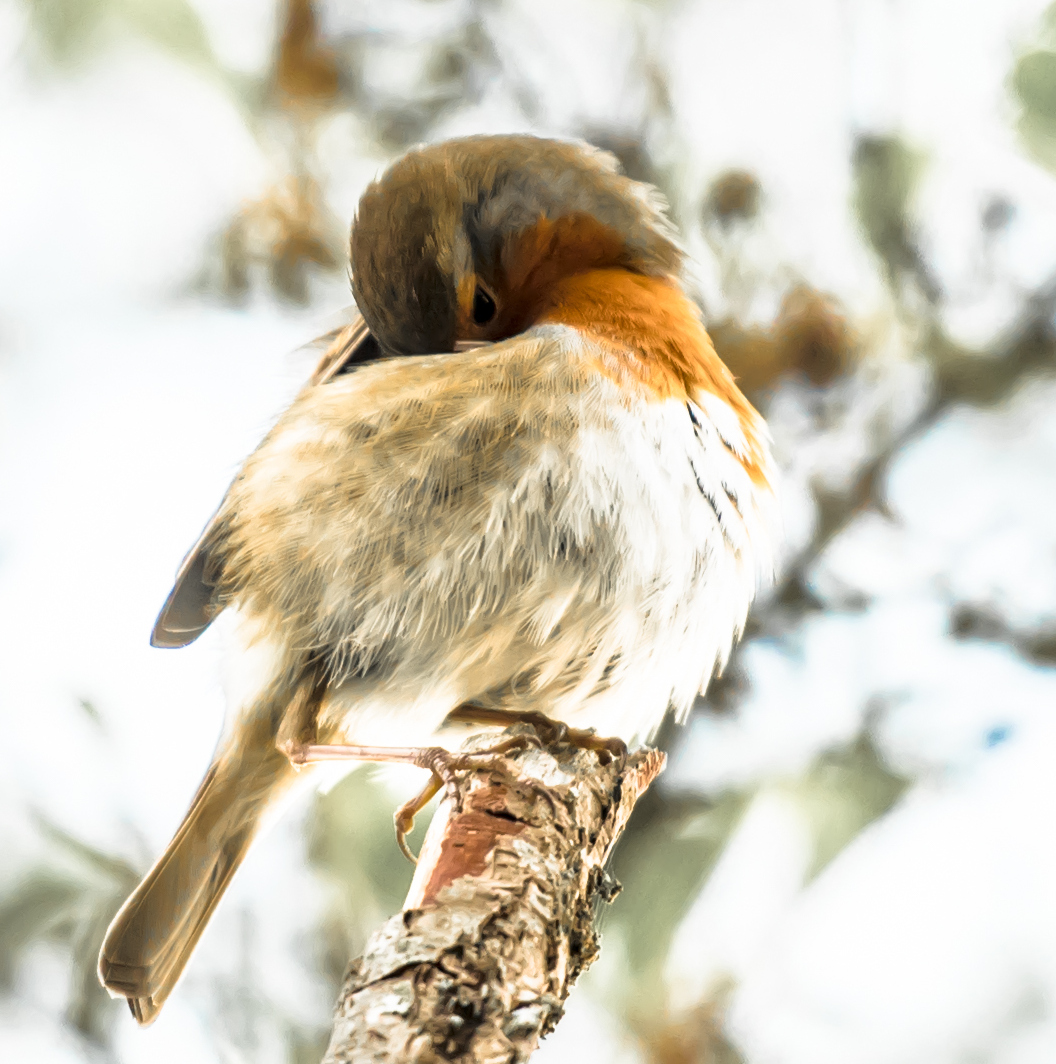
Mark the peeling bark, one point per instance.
(499, 920)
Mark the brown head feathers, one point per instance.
(459, 240)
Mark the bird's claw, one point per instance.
(551, 732)
(444, 766)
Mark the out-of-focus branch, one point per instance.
(499, 921)
(1027, 346)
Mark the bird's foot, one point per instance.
(444, 767)
(551, 732)
(442, 764)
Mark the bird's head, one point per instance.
(462, 240)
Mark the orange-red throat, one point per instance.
(576, 271)
(658, 339)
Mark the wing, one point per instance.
(189, 608)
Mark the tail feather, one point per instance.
(155, 932)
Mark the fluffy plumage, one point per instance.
(571, 519)
(554, 544)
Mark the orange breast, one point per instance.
(657, 336)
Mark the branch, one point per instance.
(1027, 346)
(499, 920)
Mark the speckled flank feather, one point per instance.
(508, 525)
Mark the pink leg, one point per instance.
(442, 765)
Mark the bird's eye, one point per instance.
(483, 307)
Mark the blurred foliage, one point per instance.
(666, 856)
(352, 843)
(886, 172)
(306, 69)
(453, 73)
(447, 71)
(670, 846)
(67, 901)
(69, 31)
(1033, 82)
(810, 336)
(733, 196)
(844, 791)
(695, 1038)
(278, 239)
(631, 151)
(982, 622)
(306, 1047)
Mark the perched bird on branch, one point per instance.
(522, 487)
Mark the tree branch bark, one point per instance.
(499, 920)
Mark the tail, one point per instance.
(154, 934)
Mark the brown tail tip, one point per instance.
(122, 980)
(144, 1010)
(153, 935)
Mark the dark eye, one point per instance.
(483, 307)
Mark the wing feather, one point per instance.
(190, 606)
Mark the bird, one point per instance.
(520, 485)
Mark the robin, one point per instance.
(522, 487)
